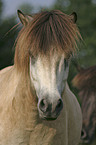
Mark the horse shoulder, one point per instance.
(74, 117)
(11, 127)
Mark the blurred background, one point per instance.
(86, 12)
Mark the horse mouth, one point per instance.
(50, 119)
(49, 116)
(85, 141)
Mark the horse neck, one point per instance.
(25, 90)
(24, 100)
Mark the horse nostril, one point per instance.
(59, 104)
(43, 105)
(46, 107)
(83, 134)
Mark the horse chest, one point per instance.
(50, 132)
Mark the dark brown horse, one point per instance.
(85, 82)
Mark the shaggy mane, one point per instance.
(46, 33)
(86, 78)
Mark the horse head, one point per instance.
(48, 40)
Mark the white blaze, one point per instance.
(48, 75)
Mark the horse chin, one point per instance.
(48, 118)
(85, 141)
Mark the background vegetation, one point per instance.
(86, 12)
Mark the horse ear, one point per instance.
(25, 19)
(74, 17)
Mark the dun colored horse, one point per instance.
(36, 104)
(85, 81)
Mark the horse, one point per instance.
(36, 105)
(85, 82)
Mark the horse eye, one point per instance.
(33, 60)
(66, 63)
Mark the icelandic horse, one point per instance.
(85, 82)
(36, 105)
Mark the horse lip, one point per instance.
(50, 118)
(84, 141)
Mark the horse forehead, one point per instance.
(50, 62)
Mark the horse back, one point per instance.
(5, 74)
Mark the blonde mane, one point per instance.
(46, 33)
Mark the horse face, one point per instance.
(89, 117)
(49, 76)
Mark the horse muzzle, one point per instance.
(50, 110)
(85, 137)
